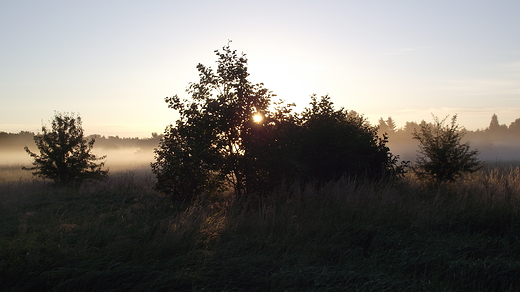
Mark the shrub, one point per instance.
(442, 155)
(341, 142)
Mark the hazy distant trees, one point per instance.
(13, 141)
(116, 142)
(65, 155)
(495, 132)
(387, 126)
(514, 127)
(217, 142)
(442, 155)
(495, 129)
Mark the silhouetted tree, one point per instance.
(206, 147)
(65, 155)
(442, 156)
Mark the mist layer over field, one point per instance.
(500, 151)
(124, 159)
(117, 160)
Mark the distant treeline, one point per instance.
(494, 133)
(16, 141)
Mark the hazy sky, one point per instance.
(113, 62)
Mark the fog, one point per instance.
(499, 152)
(124, 159)
(117, 159)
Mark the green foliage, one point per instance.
(217, 143)
(65, 155)
(443, 157)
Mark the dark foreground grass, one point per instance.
(349, 235)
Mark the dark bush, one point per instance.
(442, 155)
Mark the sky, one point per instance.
(114, 62)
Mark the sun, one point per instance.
(258, 118)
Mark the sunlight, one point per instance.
(258, 118)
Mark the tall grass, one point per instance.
(347, 235)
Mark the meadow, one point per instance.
(347, 235)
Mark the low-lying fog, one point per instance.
(116, 160)
(124, 159)
(489, 153)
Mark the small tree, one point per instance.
(442, 156)
(65, 154)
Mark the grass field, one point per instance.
(119, 235)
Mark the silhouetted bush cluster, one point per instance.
(228, 135)
(320, 144)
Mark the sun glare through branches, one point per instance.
(258, 118)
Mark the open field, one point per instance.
(119, 235)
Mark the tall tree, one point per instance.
(208, 139)
(65, 155)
